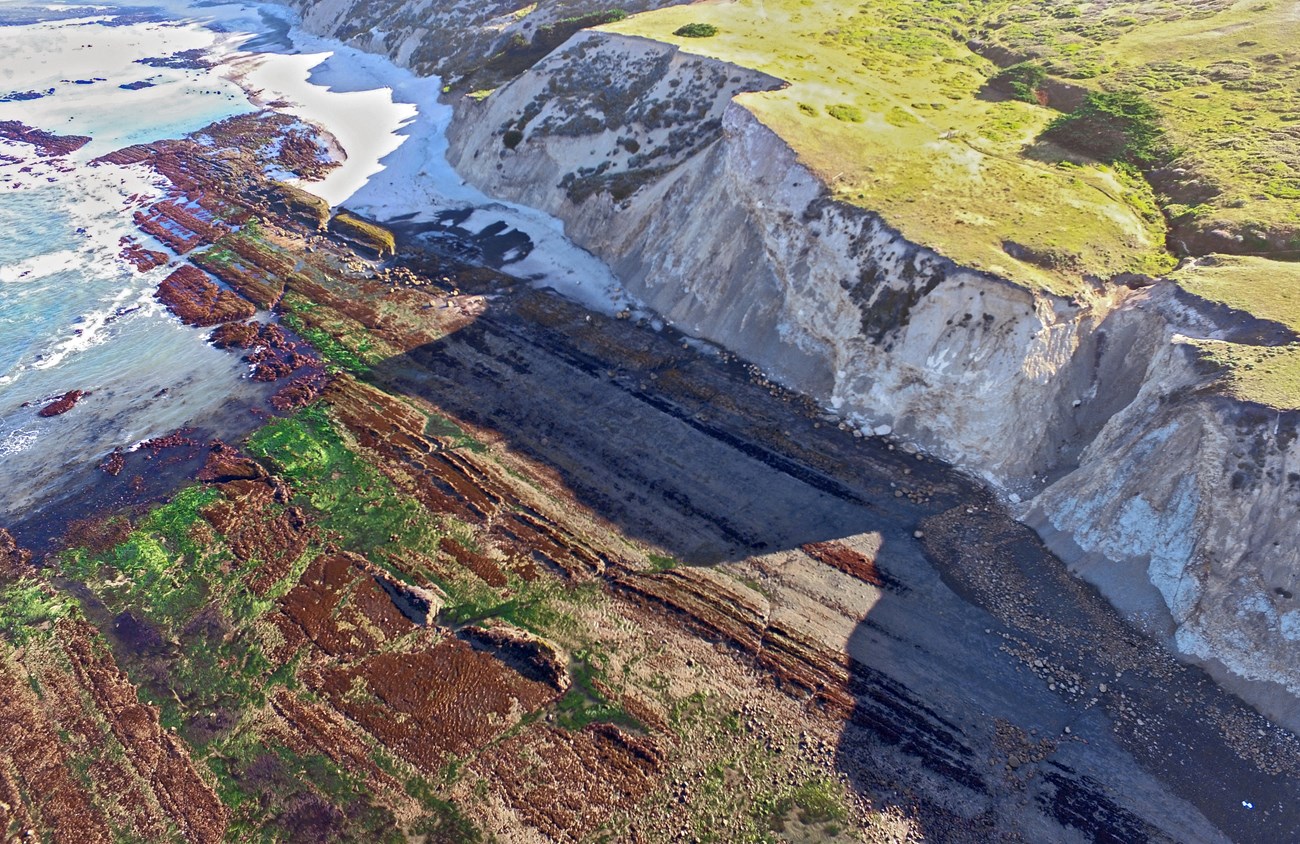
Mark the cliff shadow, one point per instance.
(663, 439)
(948, 725)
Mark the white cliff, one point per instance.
(1177, 503)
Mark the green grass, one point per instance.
(1269, 290)
(815, 801)
(910, 137)
(659, 562)
(1223, 75)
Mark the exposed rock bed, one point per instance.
(46, 143)
(62, 404)
(717, 226)
(1195, 540)
(189, 294)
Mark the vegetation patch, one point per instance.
(344, 346)
(29, 608)
(1112, 127)
(363, 232)
(696, 30)
(1022, 81)
(847, 113)
(356, 502)
(913, 139)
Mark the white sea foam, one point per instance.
(392, 127)
(18, 440)
(74, 315)
(39, 266)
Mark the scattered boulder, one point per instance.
(62, 404)
(114, 463)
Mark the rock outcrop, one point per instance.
(47, 144)
(62, 404)
(196, 300)
(1091, 410)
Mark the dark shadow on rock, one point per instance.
(952, 718)
(1032, 709)
(634, 425)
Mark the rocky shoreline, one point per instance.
(47, 144)
(495, 565)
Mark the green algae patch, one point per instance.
(29, 608)
(345, 344)
(363, 232)
(356, 502)
(696, 30)
(953, 170)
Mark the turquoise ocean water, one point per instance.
(73, 314)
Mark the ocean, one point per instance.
(74, 315)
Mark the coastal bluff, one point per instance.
(1093, 411)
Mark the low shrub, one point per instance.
(696, 30)
(847, 113)
(1112, 127)
(1020, 81)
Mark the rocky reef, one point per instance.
(189, 294)
(62, 404)
(47, 144)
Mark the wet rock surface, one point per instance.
(189, 294)
(62, 404)
(46, 143)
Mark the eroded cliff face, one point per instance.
(479, 43)
(1090, 414)
(1175, 502)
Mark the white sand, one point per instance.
(393, 130)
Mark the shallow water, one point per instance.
(74, 315)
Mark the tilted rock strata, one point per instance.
(829, 300)
(189, 294)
